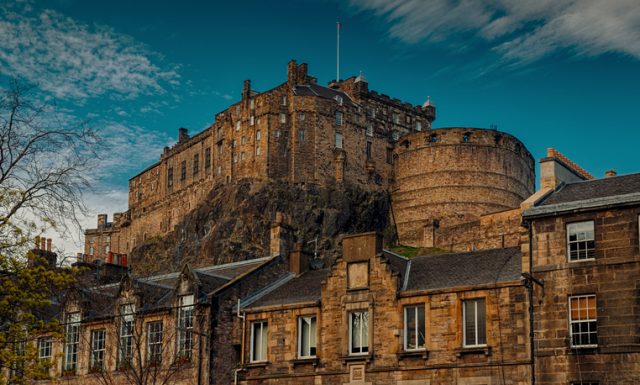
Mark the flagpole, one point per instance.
(338, 52)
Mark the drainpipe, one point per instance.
(530, 281)
(244, 328)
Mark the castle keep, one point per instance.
(304, 133)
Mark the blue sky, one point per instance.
(555, 73)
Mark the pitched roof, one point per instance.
(464, 269)
(596, 188)
(320, 91)
(589, 195)
(304, 288)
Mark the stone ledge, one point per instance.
(305, 361)
(486, 350)
(424, 354)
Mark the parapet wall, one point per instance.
(446, 177)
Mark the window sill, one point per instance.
(583, 349)
(486, 350)
(357, 357)
(424, 354)
(305, 361)
(259, 364)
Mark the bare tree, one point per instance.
(44, 159)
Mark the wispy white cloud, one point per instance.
(72, 60)
(520, 31)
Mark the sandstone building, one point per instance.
(584, 244)
(307, 134)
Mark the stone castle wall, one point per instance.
(282, 134)
(455, 175)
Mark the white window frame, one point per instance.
(476, 343)
(339, 99)
(301, 116)
(312, 336)
(258, 135)
(238, 125)
(283, 118)
(125, 340)
(98, 349)
(259, 347)
(71, 342)
(339, 118)
(418, 125)
(583, 321)
(589, 253)
(408, 310)
(252, 104)
(45, 349)
(155, 334)
(252, 120)
(363, 332)
(283, 101)
(184, 342)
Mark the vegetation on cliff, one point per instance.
(233, 223)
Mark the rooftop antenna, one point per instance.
(338, 27)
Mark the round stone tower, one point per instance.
(450, 176)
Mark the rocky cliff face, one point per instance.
(233, 223)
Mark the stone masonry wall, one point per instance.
(454, 176)
(612, 275)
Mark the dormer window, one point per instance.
(338, 99)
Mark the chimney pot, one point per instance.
(43, 243)
(37, 242)
(48, 244)
(610, 173)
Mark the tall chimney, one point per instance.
(48, 244)
(37, 243)
(183, 134)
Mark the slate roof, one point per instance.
(320, 91)
(464, 269)
(595, 188)
(304, 288)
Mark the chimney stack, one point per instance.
(183, 134)
(610, 173)
(298, 261)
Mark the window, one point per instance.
(395, 118)
(414, 327)
(154, 342)
(71, 341)
(183, 170)
(474, 322)
(338, 140)
(242, 155)
(284, 101)
(252, 120)
(96, 360)
(418, 125)
(185, 327)
(407, 119)
(338, 99)
(258, 150)
(196, 164)
(125, 351)
(283, 118)
(582, 320)
(465, 137)
(258, 135)
(242, 140)
(238, 109)
(234, 143)
(307, 336)
(359, 332)
(252, 104)
(301, 116)
(170, 177)
(238, 125)
(278, 133)
(433, 138)
(235, 158)
(44, 349)
(300, 136)
(580, 241)
(207, 158)
(369, 130)
(372, 112)
(338, 118)
(369, 144)
(259, 333)
(390, 155)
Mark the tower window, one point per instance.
(466, 137)
(433, 138)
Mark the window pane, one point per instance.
(469, 323)
(421, 327)
(411, 328)
(263, 341)
(481, 319)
